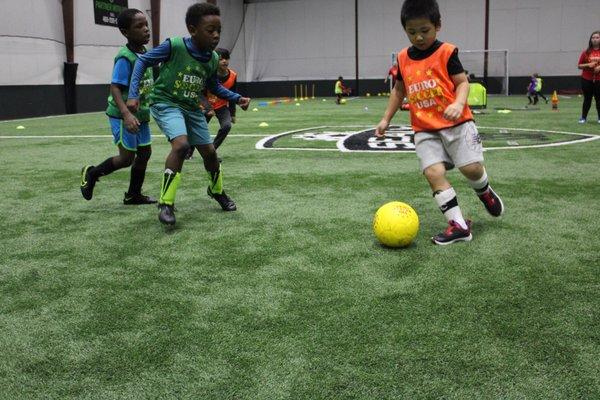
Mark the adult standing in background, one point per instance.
(589, 63)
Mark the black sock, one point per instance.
(136, 181)
(105, 168)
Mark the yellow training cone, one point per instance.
(263, 124)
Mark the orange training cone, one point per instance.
(554, 101)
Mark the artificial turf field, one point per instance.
(291, 297)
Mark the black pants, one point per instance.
(541, 95)
(224, 116)
(591, 90)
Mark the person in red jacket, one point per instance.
(589, 64)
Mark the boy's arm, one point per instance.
(394, 103)
(154, 57)
(231, 103)
(131, 122)
(120, 79)
(218, 90)
(461, 91)
(205, 105)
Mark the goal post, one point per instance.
(489, 67)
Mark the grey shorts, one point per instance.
(457, 146)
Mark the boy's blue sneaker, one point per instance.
(454, 233)
(87, 182)
(582, 120)
(224, 201)
(166, 214)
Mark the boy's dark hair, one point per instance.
(196, 11)
(340, 78)
(125, 18)
(412, 9)
(223, 53)
(590, 46)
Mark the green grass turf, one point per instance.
(290, 297)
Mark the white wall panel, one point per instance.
(300, 39)
(31, 53)
(97, 45)
(172, 18)
(32, 18)
(544, 36)
(31, 62)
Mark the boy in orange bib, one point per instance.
(224, 110)
(431, 76)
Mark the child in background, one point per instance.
(187, 66)
(224, 110)
(538, 87)
(131, 132)
(531, 96)
(339, 89)
(432, 77)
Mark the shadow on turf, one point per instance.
(411, 246)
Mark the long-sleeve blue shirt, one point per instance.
(162, 53)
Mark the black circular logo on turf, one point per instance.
(397, 138)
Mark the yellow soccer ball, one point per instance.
(396, 224)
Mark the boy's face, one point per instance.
(138, 32)
(207, 33)
(421, 32)
(223, 63)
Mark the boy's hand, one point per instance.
(131, 123)
(244, 103)
(453, 111)
(210, 113)
(381, 127)
(233, 120)
(133, 105)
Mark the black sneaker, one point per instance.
(454, 233)
(135, 199)
(493, 204)
(87, 182)
(166, 215)
(224, 201)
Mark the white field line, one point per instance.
(98, 136)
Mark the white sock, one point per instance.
(481, 185)
(448, 205)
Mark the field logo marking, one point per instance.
(400, 139)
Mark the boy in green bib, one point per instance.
(187, 66)
(131, 132)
